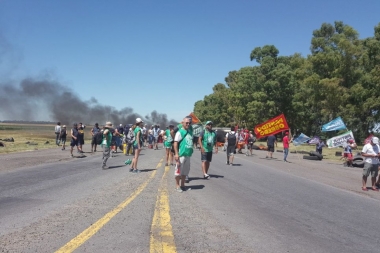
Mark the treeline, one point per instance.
(341, 77)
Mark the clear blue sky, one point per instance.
(158, 55)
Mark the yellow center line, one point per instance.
(94, 228)
(161, 237)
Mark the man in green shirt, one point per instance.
(183, 148)
(207, 141)
(106, 144)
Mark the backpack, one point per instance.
(231, 139)
(251, 139)
(98, 138)
(63, 133)
(130, 137)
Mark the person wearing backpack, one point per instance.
(207, 141)
(62, 136)
(156, 134)
(232, 141)
(94, 132)
(130, 139)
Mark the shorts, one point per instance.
(135, 146)
(206, 156)
(231, 150)
(250, 145)
(74, 142)
(348, 155)
(185, 166)
(63, 140)
(271, 148)
(80, 140)
(168, 145)
(370, 169)
(155, 139)
(93, 140)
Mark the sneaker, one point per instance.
(266, 157)
(231, 164)
(179, 189)
(72, 155)
(228, 163)
(206, 176)
(104, 167)
(166, 164)
(94, 150)
(131, 169)
(135, 171)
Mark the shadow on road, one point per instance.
(196, 187)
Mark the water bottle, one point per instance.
(177, 170)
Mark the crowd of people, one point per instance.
(179, 143)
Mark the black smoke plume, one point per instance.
(36, 100)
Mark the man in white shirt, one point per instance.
(371, 154)
(57, 131)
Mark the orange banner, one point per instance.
(194, 119)
(272, 126)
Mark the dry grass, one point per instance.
(36, 133)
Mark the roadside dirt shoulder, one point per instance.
(329, 172)
(32, 158)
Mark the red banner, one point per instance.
(271, 126)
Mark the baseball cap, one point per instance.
(375, 140)
(139, 120)
(209, 122)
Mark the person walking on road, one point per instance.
(232, 141)
(62, 136)
(207, 142)
(106, 144)
(285, 142)
(183, 148)
(74, 138)
(94, 131)
(137, 145)
(271, 141)
(80, 137)
(57, 131)
(168, 144)
(371, 154)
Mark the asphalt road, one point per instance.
(257, 205)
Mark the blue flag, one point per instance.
(335, 124)
(301, 139)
